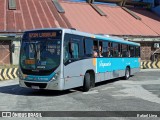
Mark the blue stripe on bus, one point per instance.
(38, 78)
(111, 64)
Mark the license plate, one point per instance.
(35, 87)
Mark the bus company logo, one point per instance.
(102, 64)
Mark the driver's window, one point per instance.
(73, 47)
(73, 50)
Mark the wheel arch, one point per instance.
(129, 68)
(92, 74)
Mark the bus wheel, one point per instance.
(87, 82)
(127, 73)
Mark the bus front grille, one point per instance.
(40, 85)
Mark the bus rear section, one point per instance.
(40, 60)
(115, 58)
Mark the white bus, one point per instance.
(60, 59)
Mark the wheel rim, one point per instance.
(127, 73)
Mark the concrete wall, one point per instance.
(146, 51)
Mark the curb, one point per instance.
(8, 73)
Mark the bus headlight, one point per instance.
(55, 77)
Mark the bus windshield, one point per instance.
(40, 54)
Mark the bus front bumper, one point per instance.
(51, 85)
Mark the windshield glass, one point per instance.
(40, 54)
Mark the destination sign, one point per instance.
(30, 62)
(42, 34)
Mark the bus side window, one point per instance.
(132, 52)
(137, 50)
(73, 50)
(88, 47)
(100, 49)
(66, 51)
(95, 49)
(73, 47)
(110, 49)
(104, 48)
(115, 50)
(119, 50)
(124, 51)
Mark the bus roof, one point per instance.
(104, 37)
(115, 39)
(101, 37)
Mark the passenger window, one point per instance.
(110, 50)
(95, 49)
(88, 47)
(137, 50)
(119, 50)
(124, 51)
(104, 49)
(100, 49)
(115, 49)
(131, 50)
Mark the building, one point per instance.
(132, 22)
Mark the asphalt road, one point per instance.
(140, 93)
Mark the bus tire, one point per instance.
(87, 82)
(127, 73)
